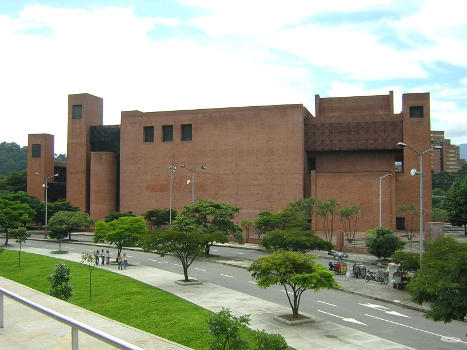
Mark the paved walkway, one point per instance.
(320, 334)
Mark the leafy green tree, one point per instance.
(439, 215)
(280, 220)
(25, 198)
(71, 220)
(14, 181)
(294, 240)
(442, 280)
(266, 341)
(408, 261)
(21, 235)
(438, 198)
(59, 205)
(443, 180)
(159, 217)
(12, 158)
(13, 215)
(124, 231)
(456, 203)
(328, 211)
(211, 219)
(349, 219)
(294, 271)
(60, 157)
(116, 215)
(306, 208)
(88, 260)
(59, 279)
(58, 232)
(382, 242)
(185, 246)
(225, 330)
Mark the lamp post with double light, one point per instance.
(172, 169)
(381, 200)
(46, 185)
(414, 172)
(192, 181)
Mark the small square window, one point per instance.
(416, 112)
(400, 223)
(148, 134)
(36, 150)
(167, 133)
(186, 132)
(77, 111)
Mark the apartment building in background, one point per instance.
(446, 158)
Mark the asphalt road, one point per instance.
(398, 324)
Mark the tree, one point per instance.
(211, 219)
(443, 180)
(25, 198)
(59, 279)
(408, 261)
(13, 214)
(280, 220)
(438, 198)
(327, 211)
(382, 242)
(88, 259)
(294, 240)
(12, 157)
(225, 329)
(59, 205)
(124, 231)
(293, 271)
(456, 203)
(306, 207)
(349, 219)
(439, 215)
(14, 181)
(58, 232)
(116, 215)
(71, 220)
(185, 246)
(21, 235)
(442, 280)
(159, 217)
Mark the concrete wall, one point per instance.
(79, 148)
(254, 158)
(103, 184)
(43, 165)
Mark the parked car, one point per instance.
(337, 254)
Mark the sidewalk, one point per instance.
(320, 334)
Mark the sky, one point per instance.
(186, 54)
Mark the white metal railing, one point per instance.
(75, 325)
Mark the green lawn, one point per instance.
(118, 297)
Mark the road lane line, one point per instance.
(286, 291)
(226, 275)
(346, 319)
(197, 268)
(453, 339)
(323, 302)
(252, 282)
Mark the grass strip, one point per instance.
(119, 298)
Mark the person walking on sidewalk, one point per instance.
(119, 261)
(107, 255)
(125, 261)
(103, 257)
(96, 255)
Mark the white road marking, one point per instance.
(176, 264)
(323, 302)
(384, 309)
(155, 261)
(197, 268)
(226, 275)
(241, 253)
(443, 338)
(352, 320)
(286, 291)
(252, 282)
(90, 250)
(214, 250)
(395, 313)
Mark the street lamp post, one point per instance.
(381, 200)
(172, 169)
(420, 173)
(45, 185)
(192, 181)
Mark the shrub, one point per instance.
(382, 242)
(266, 341)
(59, 282)
(225, 329)
(408, 261)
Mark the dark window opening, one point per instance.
(400, 224)
(167, 133)
(77, 111)
(148, 134)
(36, 150)
(416, 112)
(186, 132)
(399, 162)
(311, 164)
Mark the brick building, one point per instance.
(257, 158)
(447, 157)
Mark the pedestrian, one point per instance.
(107, 254)
(125, 261)
(96, 255)
(119, 261)
(103, 257)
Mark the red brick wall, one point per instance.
(43, 165)
(254, 158)
(103, 184)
